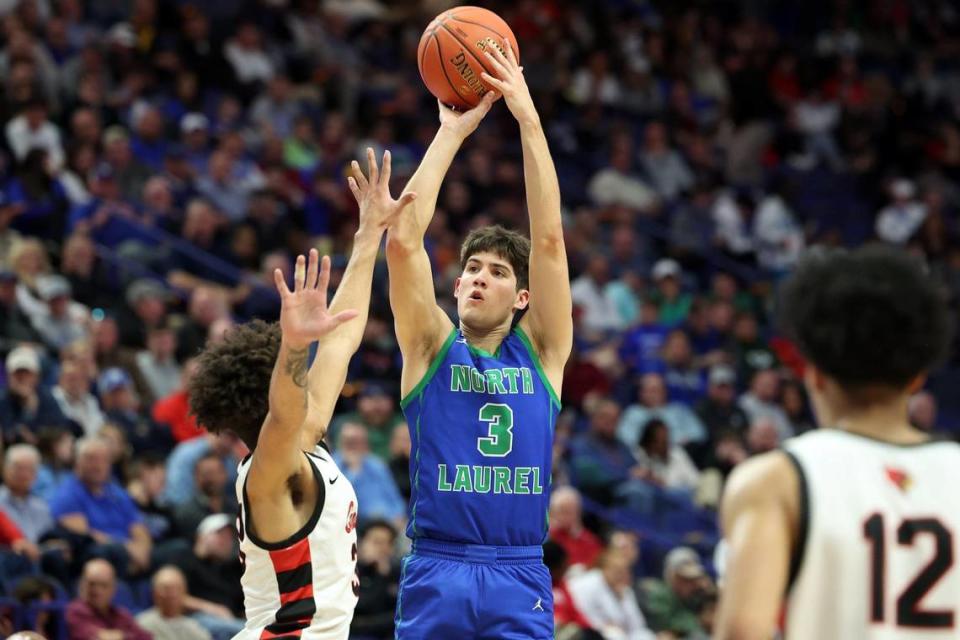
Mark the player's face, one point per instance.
(487, 292)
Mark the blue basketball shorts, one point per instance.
(452, 591)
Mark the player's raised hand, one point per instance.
(509, 81)
(378, 209)
(304, 316)
(463, 123)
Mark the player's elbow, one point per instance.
(549, 243)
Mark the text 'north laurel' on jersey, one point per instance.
(509, 380)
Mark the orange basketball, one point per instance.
(450, 55)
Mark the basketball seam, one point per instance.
(468, 49)
(423, 54)
(443, 67)
(479, 24)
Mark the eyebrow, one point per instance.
(501, 265)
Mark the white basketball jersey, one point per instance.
(306, 586)
(878, 539)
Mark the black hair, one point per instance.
(378, 523)
(649, 429)
(869, 318)
(230, 390)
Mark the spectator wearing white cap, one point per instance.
(672, 604)
(674, 304)
(195, 136)
(718, 410)
(26, 407)
(62, 321)
(899, 220)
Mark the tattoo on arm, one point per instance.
(296, 366)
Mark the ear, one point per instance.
(522, 300)
(456, 287)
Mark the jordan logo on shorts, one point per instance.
(539, 605)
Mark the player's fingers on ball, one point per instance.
(498, 66)
(372, 169)
(499, 85)
(358, 174)
(509, 49)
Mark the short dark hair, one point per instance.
(511, 246)
(378, 523)
(229, 391)
(866, 318)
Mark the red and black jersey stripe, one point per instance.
(295, 581)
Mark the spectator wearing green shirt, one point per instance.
(674, 303)
(674, 603)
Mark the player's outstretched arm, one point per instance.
(760, 515)
(304, 318)
(421, 325)
(550, 319)
(329, 370)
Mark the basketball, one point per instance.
(450, 55)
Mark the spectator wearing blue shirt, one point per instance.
(641, 345)
(684, 425)
(599, 462)
(377, 493)
(90, 503)
(39, 196)
(181, 484)
(686, 382)
(148, 142)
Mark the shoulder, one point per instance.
(770, 479)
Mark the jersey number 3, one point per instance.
(499, 439)
(909, 612)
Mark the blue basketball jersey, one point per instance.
(481, 427)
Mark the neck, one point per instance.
(489, 341)
(885, 421)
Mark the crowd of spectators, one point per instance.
(161, 158)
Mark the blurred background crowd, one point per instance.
(159, 159)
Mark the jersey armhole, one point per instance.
(431, 371)
(803, 526)
(525, 339)
(304, 531)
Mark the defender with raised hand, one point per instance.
(298, 516)
(482, 399)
